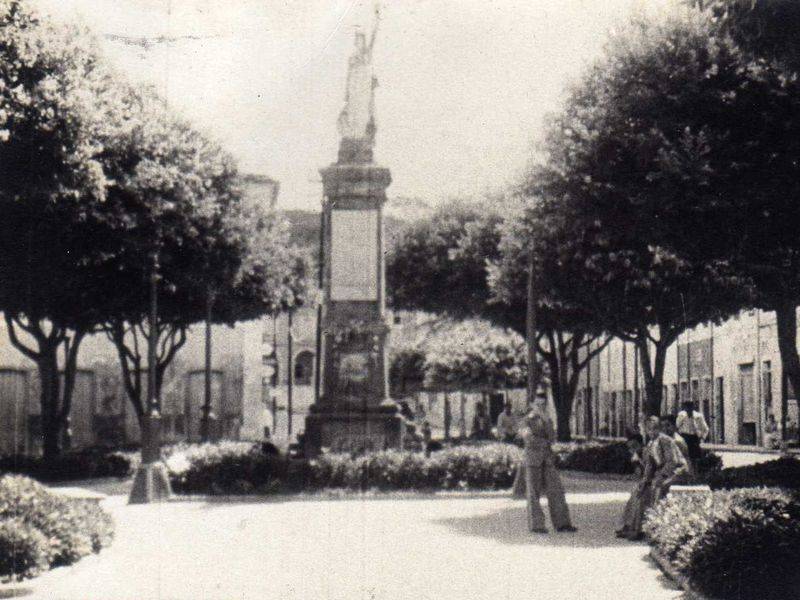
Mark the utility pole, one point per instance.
(151, 482)
(289, 375)
(530, 330)
(205, 420)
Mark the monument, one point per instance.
(353, 412)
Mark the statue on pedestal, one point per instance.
(353, 412)
(357, 120)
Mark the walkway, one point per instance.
(462, 548)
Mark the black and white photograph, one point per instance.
(399, 299)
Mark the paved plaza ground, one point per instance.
(453, 547)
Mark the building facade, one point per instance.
(731, 371)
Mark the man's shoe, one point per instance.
(539, 530)
(567, 529)
(621, 533)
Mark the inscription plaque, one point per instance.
(354, 254)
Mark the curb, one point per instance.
(679, 579)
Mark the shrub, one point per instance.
(596, 457)
(223, 468)
(23, 550)
(84, 464)
(708, 465)
(753, 553)
(485, 466)
(677, 523)
(74, 528)
(741, 543)
(783, 472)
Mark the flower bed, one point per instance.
(734, 544)
(783, 473)
(40, 530)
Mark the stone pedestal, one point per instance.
(353, 412)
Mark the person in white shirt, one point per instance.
(506, 424)
(693, 429)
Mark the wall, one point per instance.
(732, 371)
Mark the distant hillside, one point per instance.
(304, 228)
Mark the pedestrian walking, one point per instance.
(540, 471)
(693, 429)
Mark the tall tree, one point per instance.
(56, 100)
(766, 247)
(177, 208)
(472, 260)
(645, 173)
(439, 264)
(567, 336)
(482, 357)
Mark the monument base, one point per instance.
(352, 432)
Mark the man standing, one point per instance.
(506, 424)
(540, 471)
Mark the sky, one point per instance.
(464, 85)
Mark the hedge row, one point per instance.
(233, 468)
(239, 468)
(40, 530)
(736, 544)
(783, 472)
(84, 464)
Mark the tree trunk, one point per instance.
(49, 397)
(561, 396)
(563, 415)
(653, 374)
(786, 317)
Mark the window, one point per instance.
(304, 368)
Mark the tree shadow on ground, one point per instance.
(596, 523)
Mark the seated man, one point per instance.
(670, 464)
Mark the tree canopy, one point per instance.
(644, 168)
(98, 183)
(57, 103)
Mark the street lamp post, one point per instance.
(151, 483)
(205, 420)
(534, 374)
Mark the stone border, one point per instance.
(675, 576)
